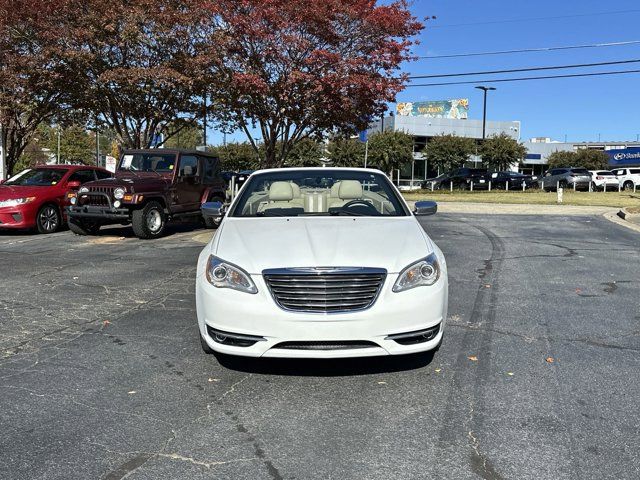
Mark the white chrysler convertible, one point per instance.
(321, 263)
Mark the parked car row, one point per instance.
(479, 179)
(578, 178)
(148, 189)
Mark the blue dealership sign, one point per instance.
(624, 156)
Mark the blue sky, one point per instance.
(580, 108)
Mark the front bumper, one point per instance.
(99, 213)
(18, 218)
(258, 316)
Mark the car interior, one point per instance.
(288, 198)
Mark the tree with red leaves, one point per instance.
(300, 70)
(137, 65)
(32, 81)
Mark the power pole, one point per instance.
(58, 156)
(3, 156)
(484, 113)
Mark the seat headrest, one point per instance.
(280, 192)
(334, 189)
(296, 190)
(350, 190)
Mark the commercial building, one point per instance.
(423, 128)
(540, 149)
(425, 120)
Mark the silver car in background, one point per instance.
(578, 178)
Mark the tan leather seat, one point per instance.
(281, 195)
(347, 190)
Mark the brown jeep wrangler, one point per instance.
(150, 188)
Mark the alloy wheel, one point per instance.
(49, 219)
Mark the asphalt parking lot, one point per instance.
(102, 375)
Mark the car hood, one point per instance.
(9, 192)
(255, 244)
(142, 182)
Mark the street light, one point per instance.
(484, 114)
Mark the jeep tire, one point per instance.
(149, 221)
(80, 227)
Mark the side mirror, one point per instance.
(212, 210)
(74, 185)
(425, 208)
(2, 181)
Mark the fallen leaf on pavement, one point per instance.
(382, 383)
(510, 374)
(106, 322)
(550, 360)
(438, 370)
(473, 358)
(214, 380)
(131, 392)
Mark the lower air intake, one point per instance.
(338, 345)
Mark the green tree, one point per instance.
(583, 158)
(237, 156)
(562, 158)
(446, 152)
(500, 152)
(390, 150)
(592, 159)
(346, 152)
(189, 137)
(77, 145)
(306, 153)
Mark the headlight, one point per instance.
(16, 201)
(83, 190)
(422, 273)
(118, 193)
(223, 274)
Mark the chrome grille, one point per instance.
(325, 290)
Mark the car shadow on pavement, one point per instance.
(332, 367)
(127, 231)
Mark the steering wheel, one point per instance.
(361, 203)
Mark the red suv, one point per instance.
(37, 197)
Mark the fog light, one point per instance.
(73, 200)
(116, 204)
(219, 338)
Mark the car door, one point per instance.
(188, 184)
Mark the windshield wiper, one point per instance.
(272, 214)
(348, 213)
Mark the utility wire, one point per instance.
(531, 19)
(502, 80)
(528, 50)
(531, 69)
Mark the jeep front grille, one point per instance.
(325, 290)
(96, 196)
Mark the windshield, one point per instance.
(40, 177)
(580, 171)
(318, 192)
(148, 162)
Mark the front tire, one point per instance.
(48, 219)
(83, 228)
(149, 221)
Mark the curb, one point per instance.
(621, 219)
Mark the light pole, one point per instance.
(484, 113)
